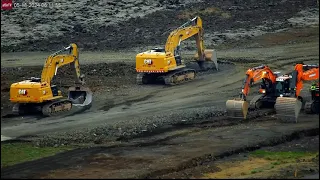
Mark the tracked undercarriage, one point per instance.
(49, 108)
(312, 107)
(177, 76)
(171, 78)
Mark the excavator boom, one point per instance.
(80, 95)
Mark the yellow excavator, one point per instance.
(167, 64)
(39, 95)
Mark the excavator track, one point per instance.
(256, 102)
(179, 76)
(16, 109)
(171, 78)
(139, 78)
(146, 78)
(53, 108)
(25, 109)
(288, 108)
(311, 107)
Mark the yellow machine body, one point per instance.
(31, 92)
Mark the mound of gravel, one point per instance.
(130, 127)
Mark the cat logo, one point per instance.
(22, 91)
(148, 61)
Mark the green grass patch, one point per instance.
(14, 153)
(278, 156)
(256, 171)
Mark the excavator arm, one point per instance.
(192, 28)
(305, 73)
(78, 94)
(187, 30)
(253, 75)
(57, 60)
(238, 108)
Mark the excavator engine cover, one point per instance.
(80, 96)
(288, 108)
(237, 108)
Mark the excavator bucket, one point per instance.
(288, 108)
(210, 60)
(80, 96)
(237, 108)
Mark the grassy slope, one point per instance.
(263, 163)
(14, 153)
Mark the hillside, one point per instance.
(114, 25)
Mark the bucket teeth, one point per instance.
(288, 108)
(237, 108)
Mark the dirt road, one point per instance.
(143, 107)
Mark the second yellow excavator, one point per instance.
(39, 95)
(167, 63)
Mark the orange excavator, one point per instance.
(238, 108)
(281, 92)
(308, 73)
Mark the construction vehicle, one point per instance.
(280, 92)
(166, 63)
(312, 106)
(39, 95)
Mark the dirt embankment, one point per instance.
(128, 24)
(196, 151)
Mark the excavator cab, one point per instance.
(157, 49)
(287, 105)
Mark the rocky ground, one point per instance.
(172, 122)
(108, 24)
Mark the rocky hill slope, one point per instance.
(123, 24)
